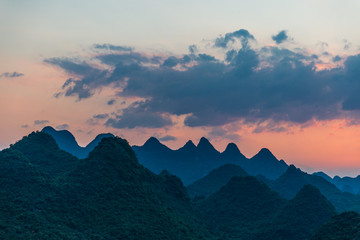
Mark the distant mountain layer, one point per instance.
(345, 184)
(288, 184)
(66, 141)
(191, 162)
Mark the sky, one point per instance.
(278, 74)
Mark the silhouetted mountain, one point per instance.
(43, 153)
(345, 184)
(108, 195)
(241, 208)
(345, 226)
(301, 216)
(66, 141)
(192, 162)
(215, 180)
(266, 164)
(288, 184)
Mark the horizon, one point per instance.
(284, 76)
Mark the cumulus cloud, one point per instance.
(41, 122)
(254, 85)
(11, 75)
(243, 35)
(280, 37)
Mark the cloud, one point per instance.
(253, 85)
(243, 35)
(62, 127)
(138, 115)
(111, 102)
(101, 116)
(25, 126)
(167, 138)
(280, 37)
(41, 122)
(112, 47)
(11, 75)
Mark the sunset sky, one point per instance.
(278, 74)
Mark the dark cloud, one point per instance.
(271, 84)
(337, 58)
(139, 115)
(167, 138)
(243, 35)
(62, 126)
(25, 126)
(280, 37)
(112, 47)
(11, 75)
(101, 116)
(41, 122)
(111, 102)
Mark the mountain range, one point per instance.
(47, 193)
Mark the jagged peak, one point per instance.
(63, 133)
(204, 144)
(232, 148)
(152, 141)
(189, 145)
(265, 154)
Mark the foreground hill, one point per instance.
(345, 226)
(66, 141)
(108, 195)
(192, 162)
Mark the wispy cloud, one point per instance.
(41, 122)
(11, 75)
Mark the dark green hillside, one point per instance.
(240, 208)
(215, 180)
(345, 226)
(106, 196)
(301, 216)
(43, 153)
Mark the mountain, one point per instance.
(66, 141)
(43, 153)
(191, 162)
(345, 184)
(301, 216)
(266, 164)
(108, 195)
(215, 180)
(288, 184)
(345, 226)
(240, 208)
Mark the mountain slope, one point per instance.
(215, 180)
(345, 226)
(241, 207)
(301, 216)
(288, 184)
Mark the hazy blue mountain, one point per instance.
(345, 184)
(67, 142)
(191, 162)
(345, 226)
(108, 195)
(288, 184)
(215, 180)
